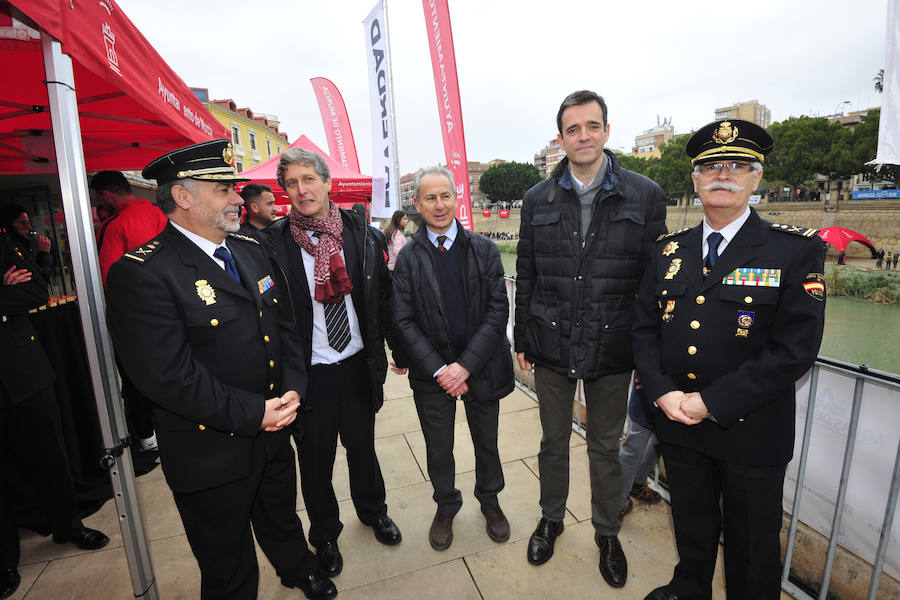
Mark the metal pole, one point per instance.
(842, 489)
(801, 473)
(390, 69)
(92, 308)
(886, 527)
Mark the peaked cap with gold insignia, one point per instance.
(729, 139)
(206, 161)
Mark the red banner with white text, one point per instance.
(446, 85)
(336, 122)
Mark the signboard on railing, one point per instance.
(874, 194)
(869, 481)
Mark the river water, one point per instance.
(858, 332)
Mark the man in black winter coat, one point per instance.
(450, 315)
(585, 234)
(340, 294)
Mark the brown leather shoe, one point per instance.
(628, 507)
(496, 525)
(441, 533)
(644, 494)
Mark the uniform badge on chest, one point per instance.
(667, 313)
(205, 291)
(744, 321)
(673, 268)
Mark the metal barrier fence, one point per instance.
(861, 376)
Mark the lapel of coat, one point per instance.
(740, 250)
(690, 252)
(249, 276)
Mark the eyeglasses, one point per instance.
(23, 222)
(733, 167)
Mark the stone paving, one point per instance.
(474, 567)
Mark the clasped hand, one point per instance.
(280, 412)
(687, 408)
(453, 379)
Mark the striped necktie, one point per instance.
(713, 240)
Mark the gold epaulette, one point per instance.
(246, 238)
(806, 232)
(672, 234)
(143, 252)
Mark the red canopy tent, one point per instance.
(82, 90)
(347, 187)
(132, 107)
(840, 238)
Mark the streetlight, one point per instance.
(839, 104)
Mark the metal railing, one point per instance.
(861, 376)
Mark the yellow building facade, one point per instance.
(255, 136)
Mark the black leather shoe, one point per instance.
(386, 531)
(540, 545)
(613, 565)
(85, 538)
(662, 593)
(9, 582)
(330, 560)
(316, 586)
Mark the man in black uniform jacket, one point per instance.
(196, 325)
(30, 428)
(341, 292)
(730, 315)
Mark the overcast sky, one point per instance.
(517, 61)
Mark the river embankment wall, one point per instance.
(878, 220)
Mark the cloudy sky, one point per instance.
(517, 61)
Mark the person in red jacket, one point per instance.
(133, 222)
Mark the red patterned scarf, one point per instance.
(332, 282)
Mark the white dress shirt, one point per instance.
(728, 232)
(322, 353)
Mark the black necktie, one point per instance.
(441, 240)
(713, 240)
(224, 255)
(336, 324)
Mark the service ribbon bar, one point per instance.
(754, 277)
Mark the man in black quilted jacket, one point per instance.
(585, 234)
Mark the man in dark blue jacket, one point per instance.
(450, 315)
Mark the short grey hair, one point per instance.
(435, 170)
(164, 198)
(293, 156)
(755, 166)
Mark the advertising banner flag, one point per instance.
(504, 213)
(446, 85)
(888, 152)
(385, 188)
(336, 122)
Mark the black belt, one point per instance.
(361, 355)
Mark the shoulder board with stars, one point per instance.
(246, 238)
(806, 232)
(672, 234)
(143, 252)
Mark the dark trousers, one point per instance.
(606, 399)
(31, 436)
(437, 413)
(217, 524)
(750, 514)
(338, 402)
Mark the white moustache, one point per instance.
(723, 185)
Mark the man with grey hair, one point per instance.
(194, 317)
(340, 302)
(450, 314)
(585, 233)
(729, 315)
